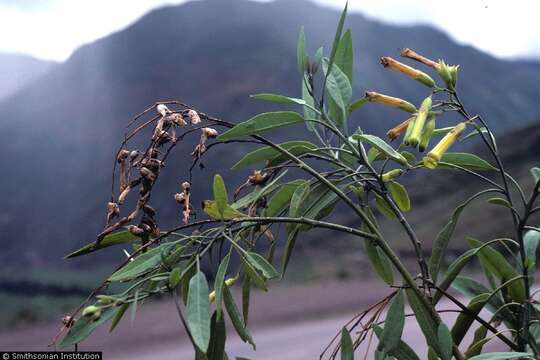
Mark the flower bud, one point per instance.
(105, 299)
(448, 73)
(416, 132)
(390, 101)
(413, 73)
(388, 176)
(163, 110)
(229, 282)
(427, 133)
(194, 117)
(394, 132)
(93, 312)
(408, 53)
(434, 156)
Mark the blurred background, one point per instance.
(73, 73)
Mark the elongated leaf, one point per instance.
(472, 288)
(118, 316)
(497, 264)
(445, 342)
(380, 262)
(289, 247)
(83, 327)
(384, 208)
(499, 201)
(501, 356)
(297, 197)
(344, 55)
(141, 264)
(120, 237)
(301, 55)
(453, 271)
(393, 324)
(211, 209)
(465, 160)
(198, 311)
(308, 113)
(347, 352)
(400, 195)
(218, 337)
(380, 145)
(466, 319)
(219, 282)
(337, 36)
(477, 343)
(425, 321)
(280, 99)
(340, 91)
(174, 277)
(236, 318)
(531, 240)
(220, 194)
(250, 270)
(261, 123)
(535, 172)
(443, 237)
(355, 105)
(246, 291)
(261, 264)
(282, 197)
(295, 150)
(402, 351)
(268, 153)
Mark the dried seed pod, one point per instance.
(123, 195)
(163, 110)
(67, 321)
(178, 119)
(258, 178)
(150, 211)
(112, 211)
(209, 132)
(133, 155)
(179, 197)
(147, 174)
(413, 73)
(93, 312)
(135, 230)
(194, 117)
(408, 53)
(122, 155)
(186, 185)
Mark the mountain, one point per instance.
(58, 136)
(19, 71)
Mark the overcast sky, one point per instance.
(52, 29)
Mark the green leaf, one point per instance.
(261, 264)
(496, 263)
(211, 209)
(218, 337)
(282, 197)
(453, 271)
(120, 237)
(425, 321)
(220, 194)
(393, 324)
(380, 262)
(383, 207)
(466, 319)
(308, 112)
(289, 247)
(344, 55)
(174, 277)
(141, 264)
(298, 195)
(337, 36)
(477, 343)
(402, 352)
(501, 356)
(261, 123)
(83, 327)
(355, 105)
(246, 291)
(280, 99)
(236, 318)
(198, 307)
(219, 281)
(339, 88)
(251, 271)
(443, 237)
(500, 202)
(118, 316)
(445, 342)
(531, 240)
(400, 195)
(380, 145)
(535, 172)
(464, 160)
(471, 288)
(301, 55)
(347, 352)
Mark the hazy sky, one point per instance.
(52, 29)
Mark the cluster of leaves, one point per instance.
(360, 171)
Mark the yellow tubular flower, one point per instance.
(229, 282)
(408, 132)
(407, 70)
(426, 134)
(394, 132)
(416, 132)
(408, 53)
(434, 156)
(390, 101)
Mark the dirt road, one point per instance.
(288, 323)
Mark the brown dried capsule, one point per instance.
(112, 211)
(135, 230)
(194, 117)
(150, 211)
(148, 174)
(209, 132)
(122, 155)
(178, 119)
(179, 197)
(186, 185)
(123, 195)
(163, 110)
(133, 155)
(257, 178)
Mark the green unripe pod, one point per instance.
(105, 299)
(416, 132)
(392, 174)
(428, 132)
(93, 312)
